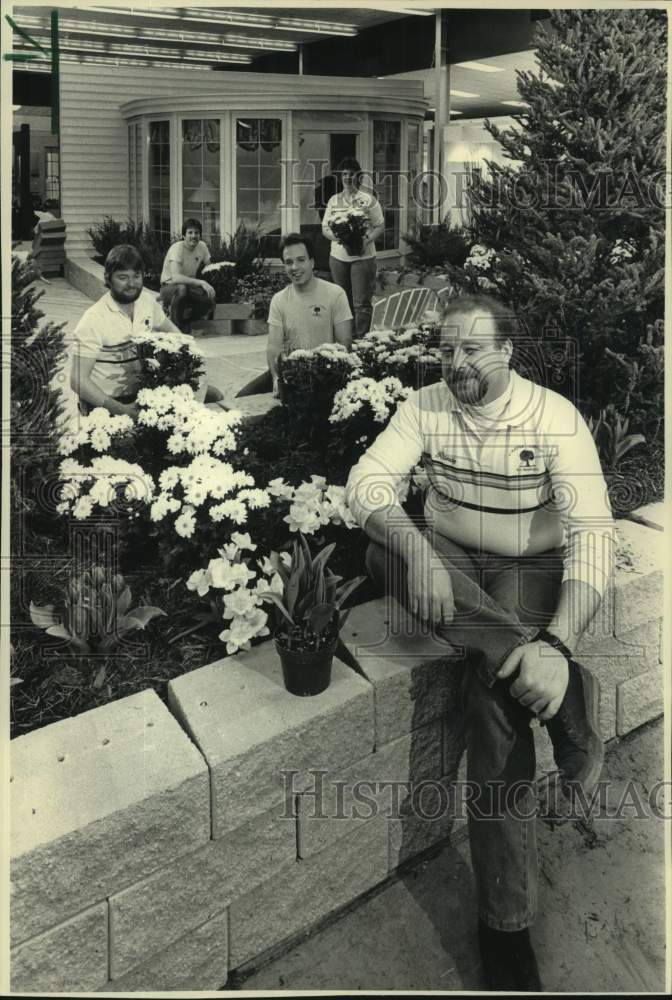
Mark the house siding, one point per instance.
(94, 133)
(94, 137)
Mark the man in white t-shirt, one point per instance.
(309, 311)
(104, 365)
(186, 296)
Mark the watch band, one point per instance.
(544, 636)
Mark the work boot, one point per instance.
(574, 730)
(509, 962)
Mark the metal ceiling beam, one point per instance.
(93, 29)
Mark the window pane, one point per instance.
(200, 173)
(258, 176)
(386, 167)
(247, 177)
(159, 177)
(412, 185)
(247, 130)
(270, 177)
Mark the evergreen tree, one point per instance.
(576, 220)
(37, 353)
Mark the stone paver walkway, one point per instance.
(601, 923)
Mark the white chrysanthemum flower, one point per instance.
(185, 524)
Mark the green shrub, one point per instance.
(242, 248)
(437, 245)
(151, 245)
(259, 288)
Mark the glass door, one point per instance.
(315, 180)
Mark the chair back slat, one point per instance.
(402, 308)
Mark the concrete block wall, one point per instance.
(162, 846)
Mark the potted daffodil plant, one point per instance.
(308, 616)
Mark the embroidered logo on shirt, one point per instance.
(527, 459)
(317, 310)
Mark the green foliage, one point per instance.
(96, 612)
(163, 367)
(577, 223)
(37, 352)
(437, 245)
(308, 615)
(243, 251)
(610, 433)
(259, 288)
(242, 248)
(151, 245)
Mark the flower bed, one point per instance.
(195, 500)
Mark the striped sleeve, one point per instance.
(374, 482)
(580, 496)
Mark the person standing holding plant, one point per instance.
(353, 221)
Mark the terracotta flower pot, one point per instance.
(306, 672)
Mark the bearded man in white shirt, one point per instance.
(104, 367)
(511, 566)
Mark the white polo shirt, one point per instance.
(516, 477)
(104, 333)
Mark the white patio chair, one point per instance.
(406, 307)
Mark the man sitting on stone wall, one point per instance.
(185, 296)
(511, 566)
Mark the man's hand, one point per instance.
(543, 677)
(276, 388)
(130, 410)
(430, 590)
(209, 289)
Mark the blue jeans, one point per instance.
(500, 602)
(358, 281)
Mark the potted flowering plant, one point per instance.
(308, 616)
(350, 226)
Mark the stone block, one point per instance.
(427, 818)
(250, 729)
(198, 961)
(98, 802)
(615, 660)
(650, 515)
(233, 310)
(639, 699)
(416, 675)
(306, 891)
(168, 905)
(86, 276)
(635, 594)
(336, 804)
(69, 958)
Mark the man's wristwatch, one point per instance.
(552, 640)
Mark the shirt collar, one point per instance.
(114, 306)
(518, 407)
